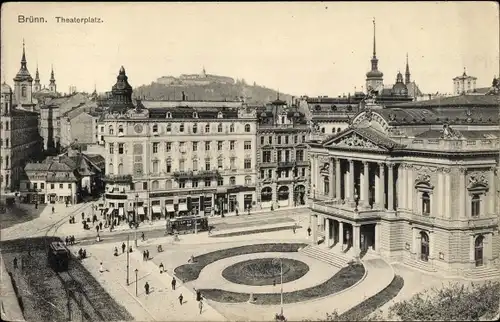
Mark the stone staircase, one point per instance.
(326, 255)
(482, 273)
(418, 264)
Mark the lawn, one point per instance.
(265, 271)
(345, 278)
(190, 272)
(256, 231)
(19, 213)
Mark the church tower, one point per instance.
(374, 78)
(37, 86)
(23, 83)
(52, 81)
(6, 100)
(407, 73)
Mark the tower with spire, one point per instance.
(121, 93)
(374, 78)
(23, 83)
(37, 86)
(52, 81)
(407, 73)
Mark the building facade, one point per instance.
(81, 128)
(464, 84)
(282, 156)
(416, 183)
(20, 141)
(169, 158)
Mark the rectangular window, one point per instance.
(279, 156)
(52, 186)
(144, 186)
(61, 186)
(286, 139)
(207, 146)
(219, 145)
(233, 163)
(195, 146)
(295, 139)
(155, 167)
(155, 147)
(270, 174)
(303, 138)
(195, 165)
(120, 148)
(220, 182)
(69, 185)
(102, 128)
(262, 140)
(168, 146)
(279, 139)
(248, 164)
(266, 157)
(42, 185)
(169, 167)
(231, 145)
(248, 145)
(207, 165)
(270, 140)
(111, 148)
(181, 165)
(35, 185)
(182, 183)
(219, 164)
(303, 172)
(208, 182)
(299, 155)
(195, 183)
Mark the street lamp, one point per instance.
(281, 275)
(136, 271)
(128, 260)
(135, 217)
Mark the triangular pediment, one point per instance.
(351, 139)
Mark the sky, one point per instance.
(300, 48)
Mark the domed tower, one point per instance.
(6, 100)
(23, 83)
(374, 78)
(37, 86)
(121, 93)
(52, 81)
(399, 88)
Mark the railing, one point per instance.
(463, 223)
(344, 210)
(286, 164)
(196, 174)
(110, 178)
(452, 144)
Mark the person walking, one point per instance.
(142, 236)
(200, 305)
(123, 248)
(83, 216)
(100, 225)
(309, 231)
(53, 209)
(181, 298)
(101, 268)
(15, 262)
(144, 255)
(146, 288)
(161, 268)
(173, 283)
(294, 228)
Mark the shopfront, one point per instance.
(156, 209)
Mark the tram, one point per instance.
(58, 256)
(186, 224)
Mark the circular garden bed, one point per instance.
(265, 271)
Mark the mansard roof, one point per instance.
(455, 101)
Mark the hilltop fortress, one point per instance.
(195, 79)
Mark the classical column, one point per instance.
(327, 232)
(314, 224)
(341, 235)
(440, 193)
(365, 193)
(351, 182)
(355, 240)
(492, 192)
(381, 187)
(332, 235)
(377, 238)
(331, 181)
(390, 186)
(447, 194)
(338, 193)
(410, 187)
(462, 206)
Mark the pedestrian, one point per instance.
(236, 211)
(142, 236)
(36, 205)
(130, 249)
(181, 298)
(147, 254)
(309, 231)
(146, 287)
(161, 268)
(100, 225)
(101, 269)
(116, 251)
(294, 228)
(53, 209)
(198, 295)
(15, 262)
(173, 283)
(97, 228)
(144, 255)
(72, 239)
(123, 248)
(98, 238)
(66, 241)
(200, 305)
(83, 216)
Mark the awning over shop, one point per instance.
(183, 207)
(170, 208)
(140, 211)
(120, 211)
(110, 211)
(156, 209)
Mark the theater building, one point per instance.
(415, 183)
(173, 158)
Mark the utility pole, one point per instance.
(128, 260)
(281, 264)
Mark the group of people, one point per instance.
(82, 253)
(70, 240)
(145, 255)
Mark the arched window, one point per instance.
(266, 194)
(247, 127)
(120, 168)
(248, 180)
(155, 127)
(475, 205)
(339, 129)
(283, 193)
(169, 127)
(207, 128)
(282, 120)
(195, 128)
(478, 250)
(219, 128)
(181, 127)
(110, 168)
(231, 128)
(120, 129)
(424, 246)
(23, 91)
(220, 115)
(232, 181)
(426, 203)
(156, 185)
(322, 130)
(195, 115)
(168, 184)
(333, 130)
(169, 115)
(111, 130)
(326, 186)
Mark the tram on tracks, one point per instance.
(186, 225)
(58, 256)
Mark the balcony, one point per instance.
(302, 163)
(286, 164)
(345, 211)
(268, 164)
(203, 174)
(123, 178)
(463, 223)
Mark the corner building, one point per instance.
(416, 183)
(172, 158)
